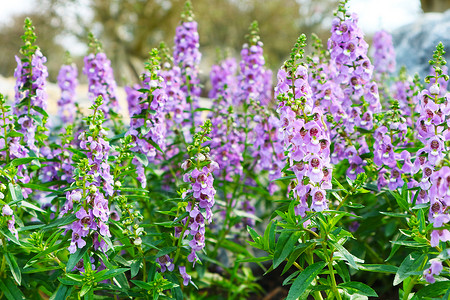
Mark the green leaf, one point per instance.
(347, 255)
(395, 215)
(255, 259)
(379, 268)
(434, 290)
(10, 290)
(284, 178)
(284, 246)
(135, 266)
(143, 285)
(85, 289)
(63, 292)
(410, 264)
(402, 202)
(253, 234)
(142, 158)
(31, 206)
(155, 145)
(165, 251)
(295, 254)
(39, 188)
(234, 247)
(75, 257)
(302, 282)
(40, 110)
(16, 193)
(15, 270)
(10, 236)
(289, 278)
(38, 119)
(410, 244)
(13, 133)
(111, 273)
(60, 222)
(21, 161)
(360, 288)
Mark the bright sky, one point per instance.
(374, 14)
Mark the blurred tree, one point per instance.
(435, 5)
(128, 29)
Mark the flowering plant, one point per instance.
(335, 181)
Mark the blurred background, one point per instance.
(128, 29)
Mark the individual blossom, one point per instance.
(8, 213)
(434, 269)
(186, 277)
(166, 263)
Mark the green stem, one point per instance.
(144, 266)
(310, 258)
(330, 268)
(180, 239)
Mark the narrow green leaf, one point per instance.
(256, 259)
(165, 251)
(400, 200)
(410, 264)
(379, 268)
(435, 290)
(360, 288)
(40, 110)
(347, 255)
(21, 161)
(10, 290)
(142, 158)
(10, 236)
(111, 273)
(302, 282)
(253, 234)
(63, 292)
(75, 257)
(15, 270)
(31, 206)
(85, 289)
(135, 266)
(280, 246)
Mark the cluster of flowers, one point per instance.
(199, 171)
(100, 75)
(67, 82)
(147, 123)
(304, 134)
(92, 207)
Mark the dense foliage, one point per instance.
(336, 176)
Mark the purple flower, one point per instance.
(439, 235)
(384, 55)
(97, 68)
(166, 263)
(186, 277)
(67, 82)
(435, 269)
